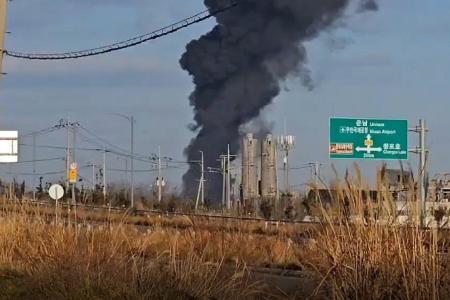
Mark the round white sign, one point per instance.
(74, 166)
(56, 192)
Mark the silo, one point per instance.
(249, 167)
(269, 184)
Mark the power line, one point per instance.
(140, 171)
(33, 174)
(106, 142)
(101, 144)
(200, 17)
(118, 150)
(40, 160)
(60, 147)
(43, 131)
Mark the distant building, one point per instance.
(399, 183)
(439, 189)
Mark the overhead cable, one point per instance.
(200, 17)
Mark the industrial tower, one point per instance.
(249, 168)
(269, 179)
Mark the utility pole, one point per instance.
(316, 173)
(423, 167)
(201, 186)
(3, 17)
(68, 154)
(94, 182)
(422, 150)
(287, 143)
(159, 182)
(224, 179)
(104, 175)
(74, 140)
(93, 178)
(132, 161)
(203, 180)
(316, 178)
(34, 165)
(228, 178)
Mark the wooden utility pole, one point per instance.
(3, 11)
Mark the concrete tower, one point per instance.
(249, 167)
(269, 184)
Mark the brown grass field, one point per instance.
(186, 258)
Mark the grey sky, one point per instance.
(393, 63)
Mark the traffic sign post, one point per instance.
(368, 139)
(73, 178)
(56, 192)
(73, 173)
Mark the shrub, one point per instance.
(266, 207)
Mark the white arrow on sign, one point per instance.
(368, 149)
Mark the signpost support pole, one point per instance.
(422, 169)
(56, 212)
(56, 192)
(422, 151)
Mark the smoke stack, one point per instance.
(238, 66)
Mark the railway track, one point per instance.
(143, 212)
(203, 216)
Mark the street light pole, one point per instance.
(132, 121)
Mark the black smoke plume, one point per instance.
(238, 66)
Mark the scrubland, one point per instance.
(349, 254)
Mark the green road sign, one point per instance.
(368, 139)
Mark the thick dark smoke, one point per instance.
(237, 69)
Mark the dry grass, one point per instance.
(375, 258)
(44, 261)
(356, 252)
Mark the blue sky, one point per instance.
(393, 63)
